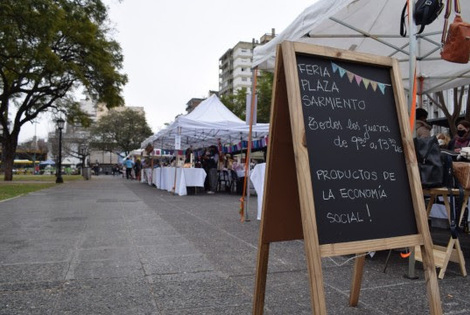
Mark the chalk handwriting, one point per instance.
(345, 218)
(329, 195)
(313, 70)
(319, 86)
(363, 193)
(336, 174)
(324, 125)
(350, 217)
(333, 102)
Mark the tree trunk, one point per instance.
(9, 149)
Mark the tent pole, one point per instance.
(411, 100)
(151, 165)
(161, 169)
(177, 148)
(412, 53)
(243, 211)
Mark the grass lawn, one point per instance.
(23, 184)
(8, 191)
(43, 178)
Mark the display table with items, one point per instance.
(452, 252)
(164, 178)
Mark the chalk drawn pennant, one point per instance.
(293, 209)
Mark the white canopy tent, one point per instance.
(204, 126)
(373, 26)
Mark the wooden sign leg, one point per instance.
(281, 218)
(260, 284)
(431, 279)
(357, 280)
(427, 257)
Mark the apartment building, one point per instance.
(235, 64)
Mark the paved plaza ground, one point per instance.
(116, 246)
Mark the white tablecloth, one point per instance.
(257, 178)
(164, 178)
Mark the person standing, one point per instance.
(96, 168)
(423, 129)
(210, 161)
(115, 169)
(138, 169)
(129, 165)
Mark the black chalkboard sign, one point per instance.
(359, 177)
(341, 172)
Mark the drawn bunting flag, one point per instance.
(359, 79)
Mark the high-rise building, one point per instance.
(235, 65)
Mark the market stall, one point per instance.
(209, 124)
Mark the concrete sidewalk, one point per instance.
(113, 246)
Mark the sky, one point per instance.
(172, 48)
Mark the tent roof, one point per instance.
(208, 112)
(204, 126)
(372, 26)
(47, 162)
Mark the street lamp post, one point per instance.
(60, 125)
(83, 153)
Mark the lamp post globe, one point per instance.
(60, 125)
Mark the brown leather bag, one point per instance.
(456, 42)
(462, 173)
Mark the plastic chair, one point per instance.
(233, 181)
(224, 183)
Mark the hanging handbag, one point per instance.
(462, 173)
(424, 13)
(455, 41)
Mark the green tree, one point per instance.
(48, 48)
(120, 130)
(264, 89)
(237, 102)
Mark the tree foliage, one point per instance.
(264, 89)
(48, 48)
(237, 102)
(120, 130)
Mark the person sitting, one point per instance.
(423, 129)
(462, 138)
(228, 162)
(443, 140)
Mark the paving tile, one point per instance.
(106, 296)
(112, 246)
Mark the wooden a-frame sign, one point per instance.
(341, 170)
